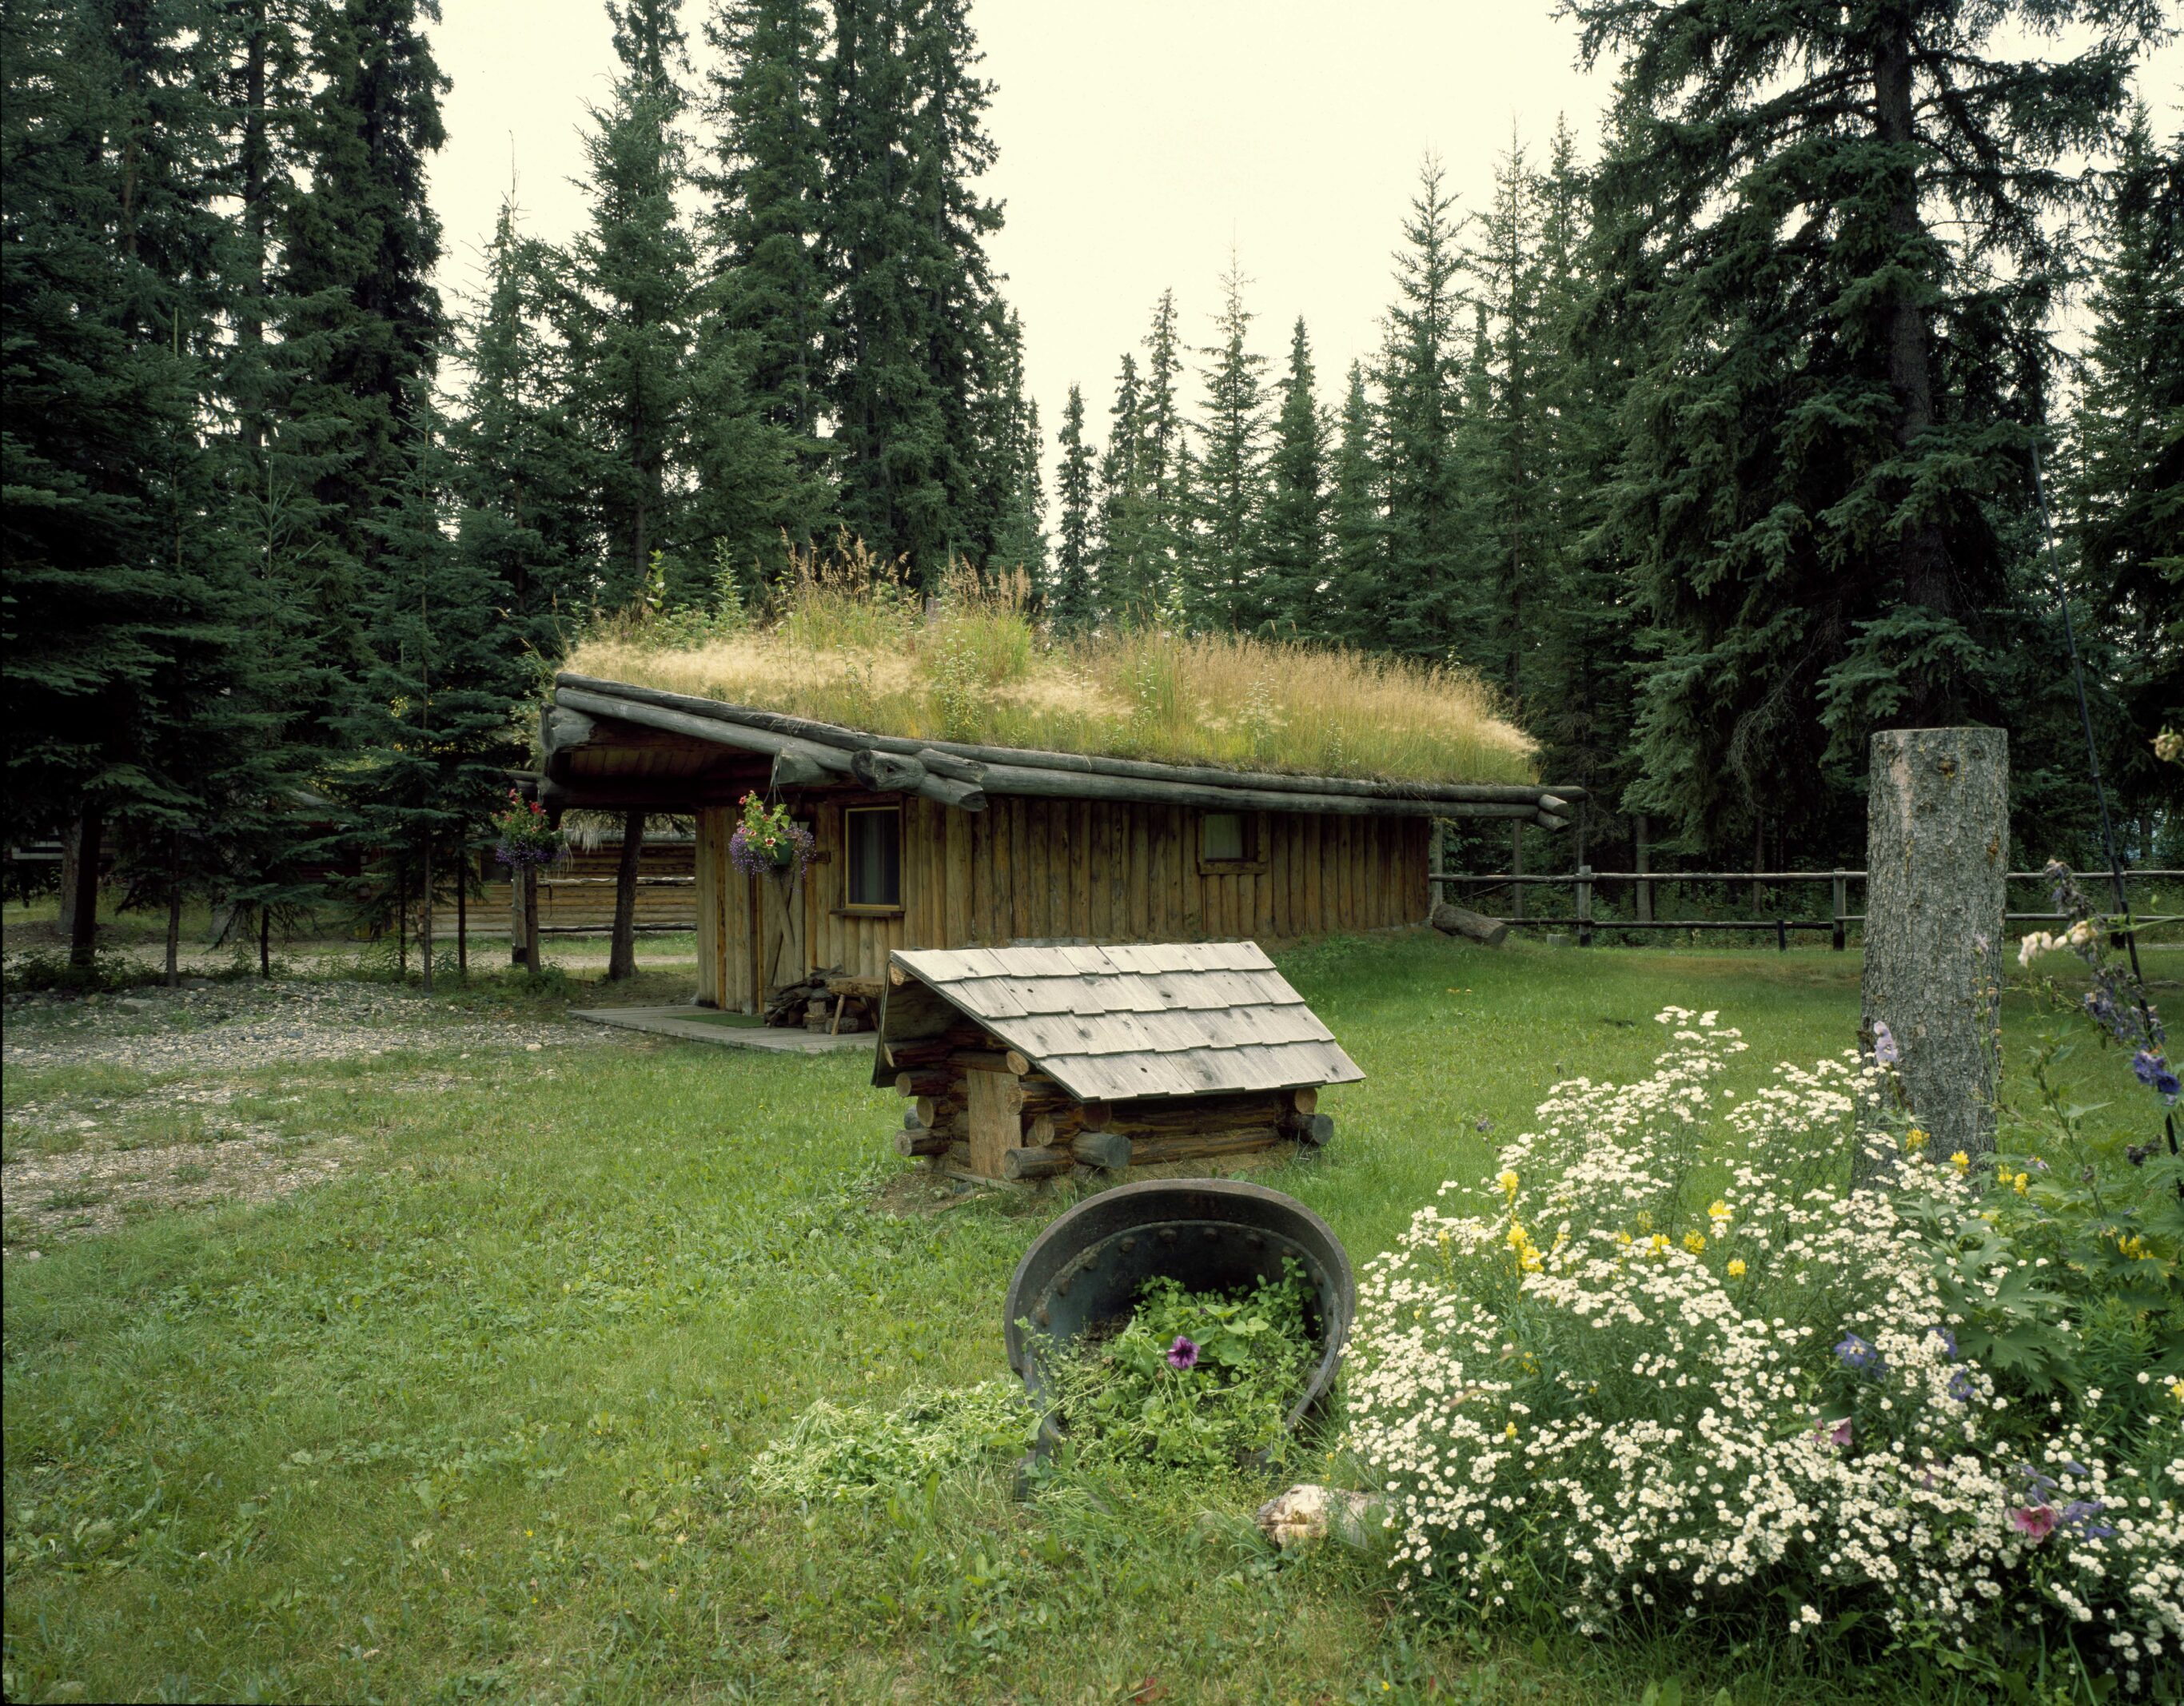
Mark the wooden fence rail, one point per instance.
(1584, 879)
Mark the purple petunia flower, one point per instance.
(1181, 1354)
(1884, 1043)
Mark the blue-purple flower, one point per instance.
(2156, 1073)
(1859, 1356)
(1183, 1354)
(1884, 1043)
(1960, 1387)
(2079, 1513)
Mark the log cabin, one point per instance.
(927, 843)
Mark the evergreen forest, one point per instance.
(1831, 379)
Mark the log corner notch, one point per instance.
(988, 1104)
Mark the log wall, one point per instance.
(1042, 870)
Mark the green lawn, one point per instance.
(472, 1420)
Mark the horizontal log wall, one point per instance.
(1039, 870)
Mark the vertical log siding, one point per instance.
(1045, 870)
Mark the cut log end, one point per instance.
(1034, 1163)
(1453, 920)
(910, 1143)
(1109, 1150)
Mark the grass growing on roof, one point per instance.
(845, 647)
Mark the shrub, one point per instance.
(1635, 1389)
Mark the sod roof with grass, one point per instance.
(979, 672)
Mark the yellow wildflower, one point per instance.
(1915, 1140)
(2022, 1182)
(2132, 1247)
(1961, 1161)
(1737, 1267)
(1716, 1210)
(1509, 1432)
(1507, 1180)
(1645, 1221)
(1659, 1241)
(2176, 1388)
(1694, 1242)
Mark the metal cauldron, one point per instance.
(1206, 1234)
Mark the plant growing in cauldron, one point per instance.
(769, 843)
(1194, 1380)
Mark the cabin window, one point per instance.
(1224, 838)
(874, 833)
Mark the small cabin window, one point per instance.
(1224, 837)
(874, 833)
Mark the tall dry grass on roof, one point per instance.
(844, 646)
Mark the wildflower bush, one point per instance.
(1193, 1380)
(1630, 1387)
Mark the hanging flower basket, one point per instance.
(523, 837)
(769, 843)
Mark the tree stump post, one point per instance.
(1937, 848)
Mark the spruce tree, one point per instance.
(1164, 451)
(757, 384)
(1295, 547)
(2127, 489)
(629, 332)
(1505, 492)
(360, 321)
(429, 730)
(1071, 609)
(107, 145)
(1842, 231)
(1226, 589)
(1357, 525)
(1128, 589)
(521, 471)
(1417, 605)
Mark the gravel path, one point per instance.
(82, 1160)
(229, 1028)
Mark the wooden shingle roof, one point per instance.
(1157, 1019)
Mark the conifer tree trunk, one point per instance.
(264, 942)
(622, 959)
(83, 900)
(424, 918)
(175, 912)
(463, 923)
(1927, 582)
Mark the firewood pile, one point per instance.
(980, 1109)
(826, 1001)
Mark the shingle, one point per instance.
(1142, 1019)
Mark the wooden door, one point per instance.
(782, 960)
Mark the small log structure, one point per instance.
(1026, 1062)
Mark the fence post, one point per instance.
(1837, 938)
(1585, 905)
(1645, 887)
(1517, 869)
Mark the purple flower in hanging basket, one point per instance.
(1183, 1354)
(780, 853)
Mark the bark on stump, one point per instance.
(1937, 848)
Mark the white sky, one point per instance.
(1138, 140)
